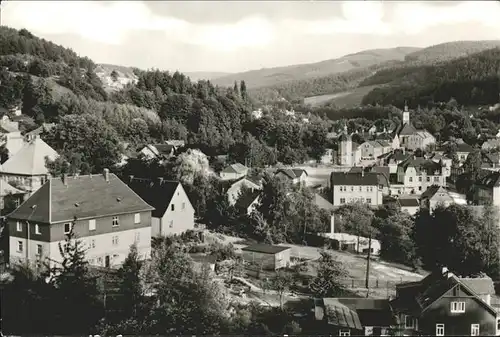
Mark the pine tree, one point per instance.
(75, 302)
(243, 89)
(236, 89)
(130, 286)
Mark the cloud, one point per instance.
(111, 23)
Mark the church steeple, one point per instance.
(406, 114)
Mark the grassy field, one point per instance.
(345, 99)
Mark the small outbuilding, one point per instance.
(267, 256)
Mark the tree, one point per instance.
(396, 239)
(281, 283)
(75, 305)
(114, 75)
(190, 164)
(4, 154)
(356, 219)
(130, 285)
(327, 282)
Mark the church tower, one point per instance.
(345, 148)
(406, 115)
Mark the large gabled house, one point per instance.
(104, 213)
(173, 213)
(443, 304)
(27, 167)
(418, 173)
(356, 187)
(436, 195)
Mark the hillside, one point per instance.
(450, 50)
(205, 75)
(471, 80)
(280, 75)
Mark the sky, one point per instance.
(231, 36)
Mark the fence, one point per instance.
(372, 283)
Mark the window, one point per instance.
(352, 188)
(137, 237)
(410, 322)
(67, 228)
(474, 329)
(439, 329)
(92, 243)
(344, 332)
(183, 205)
(99, 261)
(115, 222)
(457, 307)
(39, 250)
(37, 229)
(19, 226)
(137, 218)
(171, 224)
(172, 207)
(436, 179)
(428, 179)
(498, 326)
(420, 179)
(361, 188)
(410, 179)
(342, 200)
(20, 246)
(369, 200)
(115, 240)
(92, 225)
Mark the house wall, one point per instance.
(346, 153)
(14, 142)
(440, 198)
(175, 221)
(268, 261)
(457, 323)
(233, 192)
(418, 184)
(356, 193)
(50, 236)
(412, 209)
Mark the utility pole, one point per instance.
(367, 282)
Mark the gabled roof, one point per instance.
(30, 159)
(236, 168)
(89, 196)
(157, 193)
(406, 129)
(244, 201)
(490, 180)
(322, 202)
(421, 165)
(6, 189)
(339, 314)
(464, 147)
(292, 173)
(355, 179)
(432, 190)
(408, 202)
(264, 248)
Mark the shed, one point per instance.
(267, 256)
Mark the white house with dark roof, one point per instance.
(27, 167)
(436, 195)
(407, 136)
(234, 171)
(408, 204)
(295, 176)
(356, 187)
(173, 212)
(372, 149)
(418, 173)
(104, 213)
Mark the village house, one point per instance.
(176, 143)
(294, 176)
(234, 171)
(392, 160)
(235, 188)
(157, 151)
(353, 187)
(173, 212)
(436, 195)
(408, 204)
(487, 190)
(408, 137)
(104, 213)
(10, 195)
(353, 317)
(10, 136)
(27, 167)
(489, 161)
(443, 304)
(372, 149)
(267, 257)
(445, 162)
(248, 202)
(418, 173)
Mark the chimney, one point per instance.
(362, 171)
(131, 178)
(64, 179)
(106, 174)
(160, 180)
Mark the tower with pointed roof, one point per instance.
(406, 115)
(345, 148)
